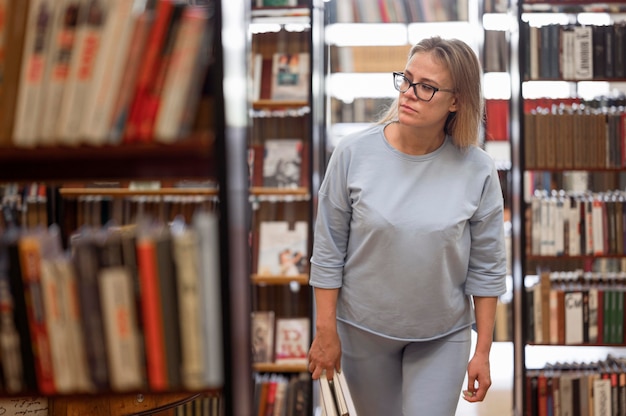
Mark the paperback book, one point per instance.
(282, 249)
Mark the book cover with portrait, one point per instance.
(282, 163)
(282, 248)
(262, 336)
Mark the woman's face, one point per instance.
(423, 68)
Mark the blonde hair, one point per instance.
(466, 73)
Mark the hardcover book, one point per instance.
(282, 162)
(292, 340)
(282, 249)
(262, 336)
(290, 76)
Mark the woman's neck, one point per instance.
(413, 141)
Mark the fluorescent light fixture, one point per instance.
(497, 85)
(497, 21)
(447, 30)
(348, 86)
(366, 34)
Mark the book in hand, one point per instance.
(282, 162)
(335, 397)
(282, 250)
(290, 76)
(292, 340)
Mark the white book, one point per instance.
(597, 226)
(292, 340)
(56, 327)
(574, 318)
(29, 110)
(583, 52)
(327, 402)
(108, 72)
(58, 67)
(593, 315)
(92, 16)
(534, 51)
(186, 260)
(340, 379)
(282, 249)
(602, 405)
(117, 300)
(567, 52)
(185, 69)
(207, 227)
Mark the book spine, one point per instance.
(152, 315)
(34, 56)
(58, 69)
(30, 263)
(148, 67)
(92, 17)
(186, 63)
(108, 74)
(17, 14)
(118, 311)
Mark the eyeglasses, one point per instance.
(422, 91)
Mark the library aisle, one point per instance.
(499, 400)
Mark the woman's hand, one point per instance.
(478, 378)
(325, 353)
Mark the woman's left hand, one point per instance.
(478, 378)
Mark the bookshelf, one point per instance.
(286, 123)
(566, 159)
(208, 147)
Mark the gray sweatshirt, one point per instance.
(408, 238)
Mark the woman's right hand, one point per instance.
(325, 354)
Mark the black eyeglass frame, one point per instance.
(415, 84)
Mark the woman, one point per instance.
(409, 247)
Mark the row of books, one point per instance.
(575, 312)
(101, 72)
(397, 11)
(282, 395)
(571, 181)
(577, 225)
(203, 406)
(588, 388)
(574, 52)
(124, 309)
(576, 139)
(279, 340)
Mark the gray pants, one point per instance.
(394, 378)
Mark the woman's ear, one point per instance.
(453, 105)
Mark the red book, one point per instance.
(497, 120)
(30, 263)
(149, 67)
(151, 314)
(152, 97)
